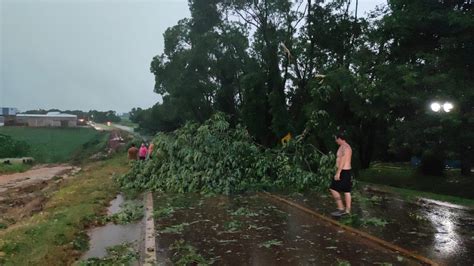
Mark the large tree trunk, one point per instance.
(366, 144)
(275, 89)
(466, 166)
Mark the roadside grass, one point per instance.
(13, 168)
(127, 122)
(406, 177)
(55, 235)
(96, 144)
(51, 145)
(410, 194)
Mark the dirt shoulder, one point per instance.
(52, 234)
(23, 194)
(37, 173)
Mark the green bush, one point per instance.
(12, 148)
(213, 157)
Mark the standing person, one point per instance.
(151, 147)
(142, 152)
(133, 153)
(342, 182)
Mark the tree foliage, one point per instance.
(102, 117)
(285, 66)
(431, 50)
(213, 157)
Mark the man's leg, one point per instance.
(348, 198)
(337, 198)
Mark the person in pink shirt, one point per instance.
(142, 152)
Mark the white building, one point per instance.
(51, 119)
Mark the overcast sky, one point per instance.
(86, 54)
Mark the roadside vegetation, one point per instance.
(10, 147)
(407, 177)
(51, 145)
(98, 143)
(127, 122)
(131, 211)
(55, 235)
(414, 195)
(13, 168)
(123, 254)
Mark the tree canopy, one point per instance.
(281, 66)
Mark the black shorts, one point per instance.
(344, 184)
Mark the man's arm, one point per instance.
(340, 163)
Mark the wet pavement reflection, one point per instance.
(440, 231)
(251, 230)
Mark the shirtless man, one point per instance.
(342, 182)
(133, 153)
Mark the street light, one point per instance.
(436, 161)
(446, 107)
(435, 107)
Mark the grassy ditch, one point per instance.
(412, 195)
(127, 122)
(96, 144)
(55, 236)
(406, 177)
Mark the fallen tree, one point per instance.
(214, 158)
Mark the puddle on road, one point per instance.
(113, 234)
(441, 232)
(114, 206)
(249, 230)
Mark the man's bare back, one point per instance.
(344, 155)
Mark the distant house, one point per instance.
(51, 119)
(7, 115)
(8, 111)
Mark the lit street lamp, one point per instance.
(446, 107)
(435, 107)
